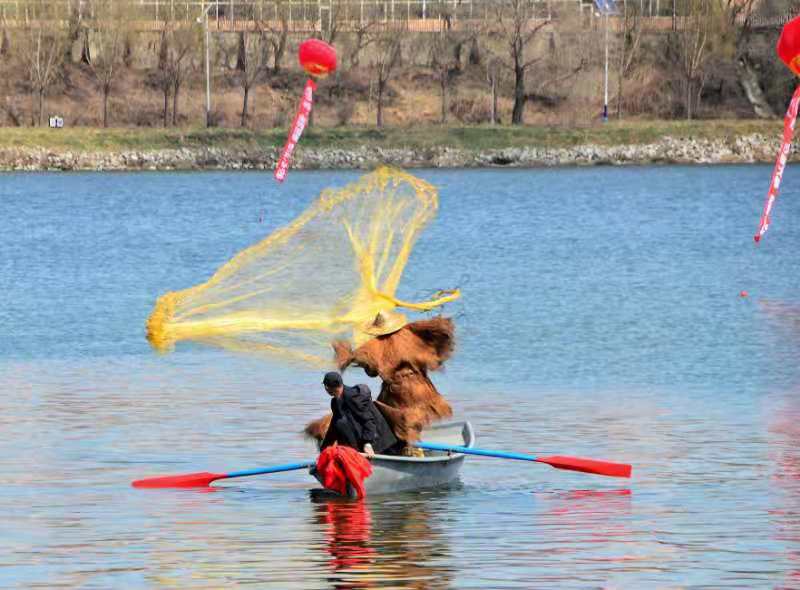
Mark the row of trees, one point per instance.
(518, 53)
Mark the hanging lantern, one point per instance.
(317, 58)
(789, 45)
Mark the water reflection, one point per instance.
(785, 312)
(785, 450)
(595, 519)
(369, 543)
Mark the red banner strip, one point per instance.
(780, 164)
(299, 124)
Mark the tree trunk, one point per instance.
(379, 117)
(105, 106)
(620, 76)
(688, 100)
(280, 48)
(517, 113)
(4, 44)
(86, 54)
(443, 83)
(166, 106)
(241, 54)
(457, 56)
(41, 106)
(698, 97)
(163, 49)
(494, 100)
(175, 105)
(244, 105)
(752, 89)
(474, 52)
(127, 53)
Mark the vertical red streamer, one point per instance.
(298, 125)
(780, 164)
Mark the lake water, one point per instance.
(601, 316)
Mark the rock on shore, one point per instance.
(743, 149)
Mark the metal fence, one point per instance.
(319, 10)
(320, 15)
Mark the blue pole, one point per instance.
(273, 469)
(471, 451)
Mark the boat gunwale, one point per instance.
(436, 458)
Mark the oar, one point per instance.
(558, 461)
(203, 479)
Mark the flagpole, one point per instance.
(605, 99)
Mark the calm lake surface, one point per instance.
(601, 316)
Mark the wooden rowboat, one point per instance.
(392, 473)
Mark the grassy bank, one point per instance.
(477, 138)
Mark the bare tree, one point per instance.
(256, 63)
(445, 49)
(278, 36)
(631, 43)
(365, 34)
(558, 64)
(387, 56)
(109, 34)
(739, 25)
(4, 42)
(76, 31)
(518, 29)
(42, 51)
(162, 76)
(492, 78)
(183, 43)
(330, 26)
(692, 41)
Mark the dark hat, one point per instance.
(332, 379)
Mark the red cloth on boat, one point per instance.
(338, 465)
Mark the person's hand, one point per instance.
(368, 451)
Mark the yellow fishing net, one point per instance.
(326, 275)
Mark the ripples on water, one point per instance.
(600, 317)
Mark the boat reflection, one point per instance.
(384, 541)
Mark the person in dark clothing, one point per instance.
(356, 421)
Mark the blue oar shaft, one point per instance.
(273, 469)
(471, 451)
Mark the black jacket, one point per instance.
(356, 421)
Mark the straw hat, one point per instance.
(385, 322)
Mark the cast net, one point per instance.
(324, 276)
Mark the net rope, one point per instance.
(324, 276)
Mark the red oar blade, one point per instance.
(587, 465)
(189, 480)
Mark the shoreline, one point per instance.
(363, 149)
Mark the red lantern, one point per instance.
(789, 45)
(317, 57)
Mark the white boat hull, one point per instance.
(391, 474)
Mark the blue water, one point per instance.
(601, 316)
